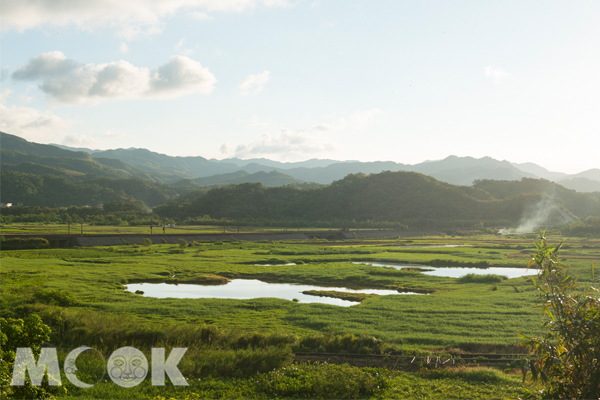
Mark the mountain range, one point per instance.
(453, 169)
(32, 172)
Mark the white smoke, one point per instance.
(541, 214)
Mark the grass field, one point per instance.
(79, 292)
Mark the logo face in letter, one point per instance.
(70, 366)
(127, 367)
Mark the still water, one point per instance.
(457, 272)
(250, 289)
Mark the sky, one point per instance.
(290, 80)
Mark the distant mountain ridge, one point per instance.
(165, 168)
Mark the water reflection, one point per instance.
(250, 289)
(457, 272)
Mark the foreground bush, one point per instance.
(28, 332)
(566, 357)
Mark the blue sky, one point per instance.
(289, 80)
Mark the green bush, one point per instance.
(28, 332)
(182, 243)
(474, 278)
(565, 360)
(146, 242)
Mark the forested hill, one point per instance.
(408, 198)
(580, 204)
(56, 191)
(41, 159)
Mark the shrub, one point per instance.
(146, 242)
(209, 279)
(28, 332)
(566, 356)
(182, 243)
(474, 278)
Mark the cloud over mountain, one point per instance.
(32, 124)
(286, 145)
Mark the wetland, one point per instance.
(87, 297)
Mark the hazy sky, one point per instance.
(289, 80)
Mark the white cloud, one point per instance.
(220, 53)
(323, 127)
(276, 3)
(25, 99)
(356, 120)
(110, 134)
(495, 73)
(127, 17)
(79, 141)
(179, 76)
(287, 145)
(360, 119)
(32, 124)
(254, 83)
(182, 49)
(224, 149)
(123, 48)
(72, 82)
(299, 144)
(4, 93)
(200, 16)
(254, 121)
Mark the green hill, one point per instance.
(57, 191)
(37, 169)
(580, 204)
(581, 184)
(161, 164)
(406, 197)
(41, 159)
(20, 145)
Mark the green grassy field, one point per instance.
(79, 292)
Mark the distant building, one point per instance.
(100, 206)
